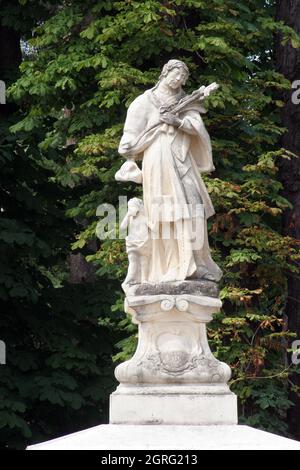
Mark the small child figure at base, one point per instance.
(137, 243)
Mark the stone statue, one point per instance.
(171, 284)
(164, 129)
(137, 245)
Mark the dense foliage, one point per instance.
(84, 65)
(59, 369)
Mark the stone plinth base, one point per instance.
(203, 405)
(110, 437)
(173, 377)
(172, 346)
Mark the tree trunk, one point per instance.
(10, 59)
(10, 51)
(288, 63)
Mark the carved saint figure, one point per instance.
(165, 130)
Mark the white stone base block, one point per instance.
(173, 408)
(152, 437)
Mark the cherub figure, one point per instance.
(137, 243)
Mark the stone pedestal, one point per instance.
(173, 378)
(173, 406)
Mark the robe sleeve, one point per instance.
(195, 139)
(136, 122)
(192, 123)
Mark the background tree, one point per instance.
(288, 63)
(59, 372)
(87, 62)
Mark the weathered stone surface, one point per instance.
(196, 407)
(199, 287)
(173, 378)
(171, 284)
(172, 346)
(167, 229)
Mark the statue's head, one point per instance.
(175, 73)
(135, 205)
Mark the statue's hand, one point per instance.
(170, 119)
